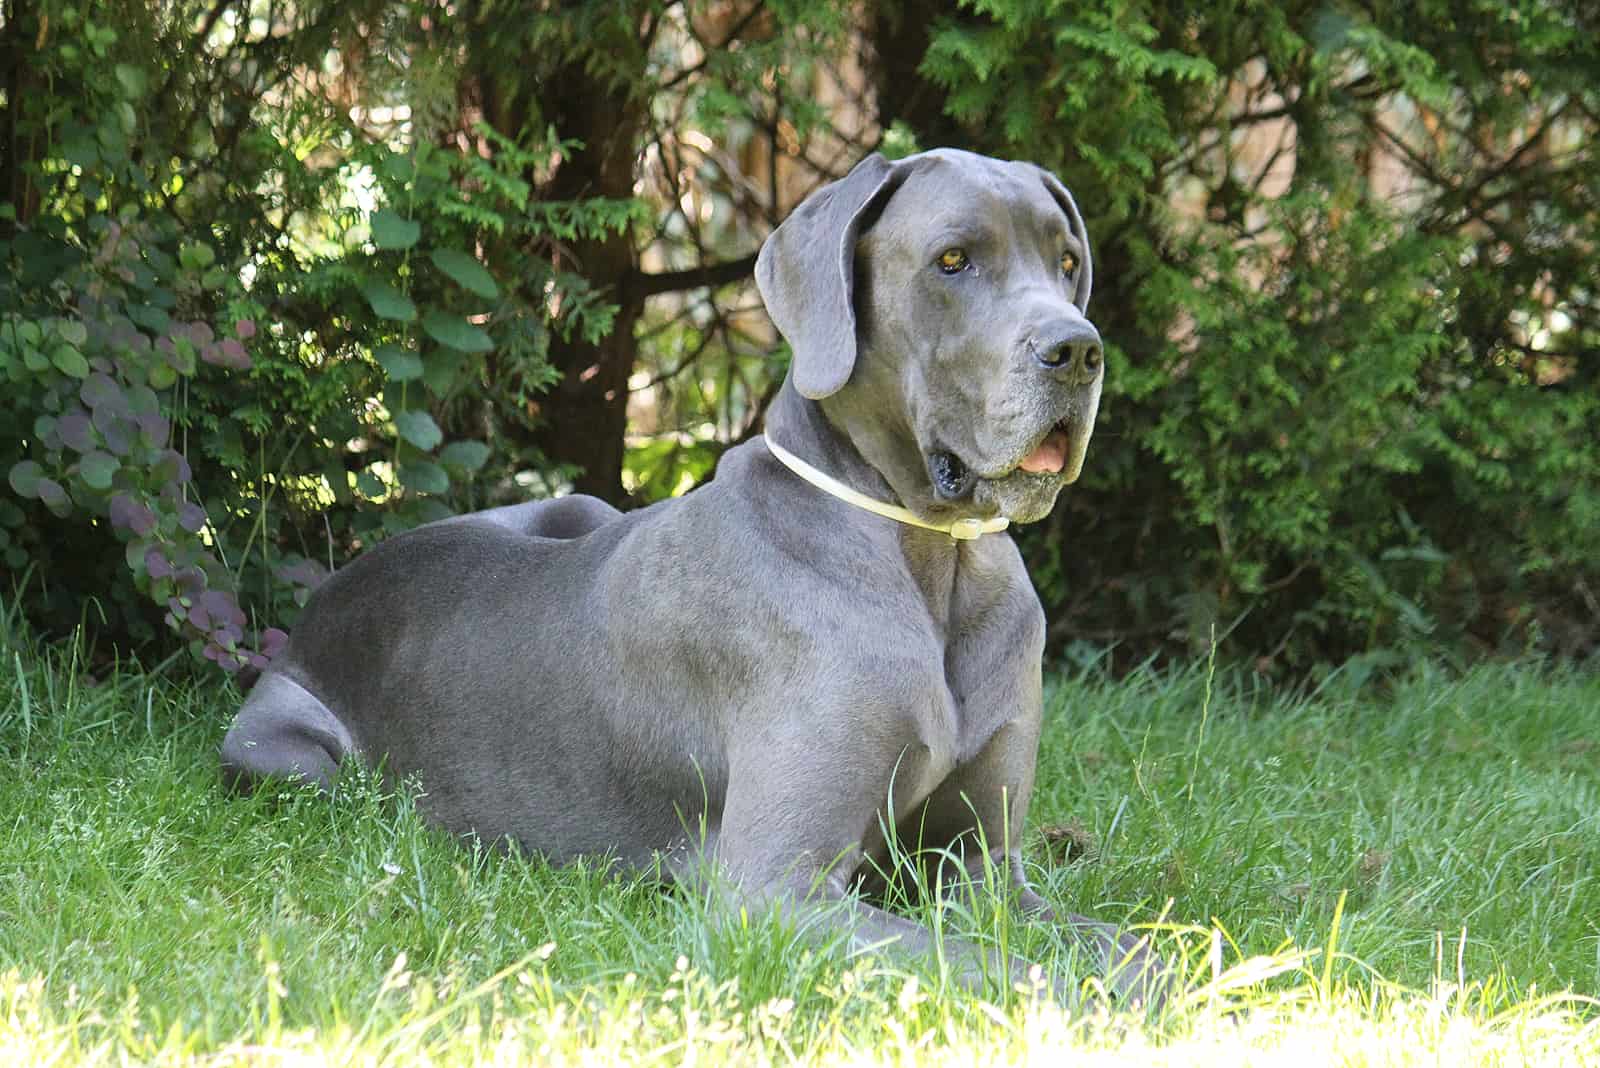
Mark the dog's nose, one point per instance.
(1071, 346)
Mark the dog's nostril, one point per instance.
(1072, 347)
(1057, 356)
(1086, 355)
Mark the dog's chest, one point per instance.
(985, 620)
(984, 695)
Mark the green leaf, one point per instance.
(73, 332)
(424, 476)
(464, 455)
(97, 469)
(369, 485)
(183, 355)
(397, 363)
(132, 80)
(388, 302)
(150, 316)
(69, 361)
(113, 142)
(455, 332)
(419, 429)
(420, 510)
(338, 480)
(400, 166)
(162, 376)
(440, 370)
(196, 255)
(393, 231)
(465, 272)
(54, 497)
(24, 478)
(80, 150)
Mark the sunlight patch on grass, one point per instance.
(520, 1016)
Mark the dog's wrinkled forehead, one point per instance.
(806, 268)
(973, 196)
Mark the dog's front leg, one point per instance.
(792, 837)
(977, 816)
(824, 910)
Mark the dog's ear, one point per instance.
(806, 274)
(1080, 295)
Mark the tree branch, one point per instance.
(713, 274)
(710, 50)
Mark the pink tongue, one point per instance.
(1051, 455)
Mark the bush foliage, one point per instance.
(223, 377)
(281, 284)
(1351, 297)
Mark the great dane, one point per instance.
(830, 645)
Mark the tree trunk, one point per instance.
(584, 417)
(18, 37)
(899, 43)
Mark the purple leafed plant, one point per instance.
(104, 444)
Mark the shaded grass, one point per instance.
(145, 915)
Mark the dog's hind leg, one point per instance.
(284, 732)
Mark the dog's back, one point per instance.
(453, 652)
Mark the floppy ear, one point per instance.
(806, 274)
(1080, 296)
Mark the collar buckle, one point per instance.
(968, 529)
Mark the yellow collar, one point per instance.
(966, 529)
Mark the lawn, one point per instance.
(1403, 872)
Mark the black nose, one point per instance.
(1069, 345)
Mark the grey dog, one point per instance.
(761, 677)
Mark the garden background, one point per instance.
(283, 279)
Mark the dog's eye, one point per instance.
(954, 260)
(1069, 264)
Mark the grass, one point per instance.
(1441, 833)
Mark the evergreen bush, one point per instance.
(272, 292)
(1351, 404)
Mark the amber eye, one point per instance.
(954, 260)
(1069, 263)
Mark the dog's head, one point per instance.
(935, 307)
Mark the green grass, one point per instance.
(1443, 831)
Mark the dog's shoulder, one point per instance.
(559, 519)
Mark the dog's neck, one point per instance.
(870, 465)
(801, 426)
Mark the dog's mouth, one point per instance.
(1050, 455)
(954, 480)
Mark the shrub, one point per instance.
(1347, 274)
(222, 378)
